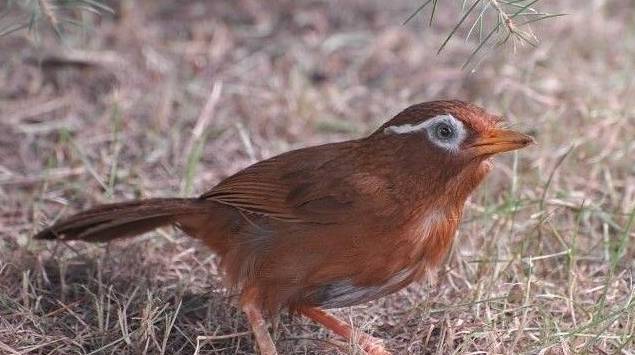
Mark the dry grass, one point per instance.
(544, 259)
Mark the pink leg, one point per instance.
(370, 344)
(259, 327)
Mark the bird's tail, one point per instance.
(119, 220)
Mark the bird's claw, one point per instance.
(375, 347)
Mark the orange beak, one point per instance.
(501, 140)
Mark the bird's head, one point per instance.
(449, 140)
(456, 129)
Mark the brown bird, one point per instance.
(333, 225)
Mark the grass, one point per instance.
(543, 262)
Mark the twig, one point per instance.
(34, 110)
(194, 145)
(552, 174)
(8, 349)
(222, 337)
(246, 140)
(70, 311)
(205, 116)
(56, 174)
(506, 20)
(80, 58)
(216, 338)
(509, 23)
(48, 10)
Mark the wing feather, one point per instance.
(297, 186)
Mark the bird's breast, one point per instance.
(431, 235)
(409, 253)
(421, 245)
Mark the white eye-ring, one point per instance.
(444, 131)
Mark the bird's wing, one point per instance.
(314, 185)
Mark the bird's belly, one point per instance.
(346, 293)
(407, 256)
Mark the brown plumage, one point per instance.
(332, 225)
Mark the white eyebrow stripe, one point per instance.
(408, 128)
(452, 146)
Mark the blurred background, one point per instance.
(107, 101)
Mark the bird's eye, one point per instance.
(444, 131)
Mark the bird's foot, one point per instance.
(374, 346)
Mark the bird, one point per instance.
(328, 226)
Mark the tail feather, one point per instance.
(120, 220)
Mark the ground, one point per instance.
(167, 98)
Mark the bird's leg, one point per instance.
(259, 327)
(370, 344)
